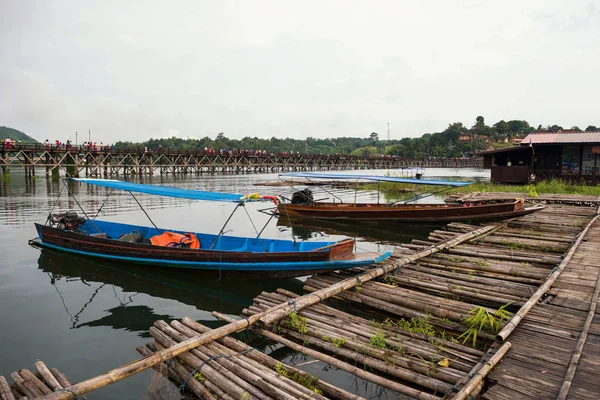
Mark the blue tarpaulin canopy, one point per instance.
(317, 175)
(163, 190)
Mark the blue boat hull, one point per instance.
(276, 258)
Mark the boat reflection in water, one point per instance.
(379, 232)
(135, 313)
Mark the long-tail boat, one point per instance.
(68, 232)
(303, 205)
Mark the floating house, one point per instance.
(573, 156)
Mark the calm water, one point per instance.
(85, 317)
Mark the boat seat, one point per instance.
(243, 248)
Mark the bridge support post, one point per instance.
(71, 165)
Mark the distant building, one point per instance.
(502, 139)
(465, 138)
(516, 140)
(571, 156)
(484, 138)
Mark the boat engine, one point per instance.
(68, 221)
(303, 197)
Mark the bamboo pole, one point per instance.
(404, 364)
(268, 316)
(180, 374)
(253, 378)
(50, 380)
(33, 380)
(234, 388)
(519, 315)
(482, 373)
(349, 283)
(328, 312)
(574, 363)
(210, 387)
(340, 364)
(5, 393)
(19, 384)
(414, 343)
(268, 380)
(263, 359)
(60, 377)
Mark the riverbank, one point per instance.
(544, 187)
(532, 190)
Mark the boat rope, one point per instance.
(396, 270)
(327, 191)
(256, 230)
(358, 284)
(104, 202)
(150, 219)
(183, 385)
(319, 297)
(292, 302)
(80, 207)
(55, 203)
(240, 204)
(263, 228)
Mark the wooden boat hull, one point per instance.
(405, 212)
(280, 263)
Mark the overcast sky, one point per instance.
(134, 70)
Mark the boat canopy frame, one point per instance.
(130, 187)
(446, 185)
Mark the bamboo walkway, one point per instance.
(494, 197)
(402, 325)
(546, 341)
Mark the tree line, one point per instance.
(436, 144)
(441, 144)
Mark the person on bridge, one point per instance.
(47, 143)
(8, 143)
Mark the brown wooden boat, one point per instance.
(405, 212)
(260, 257)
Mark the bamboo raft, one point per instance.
(436, 293)
(27, 385)
(495, 197)
(399, 325)
(238, 370)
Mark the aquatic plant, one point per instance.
(199, 377)
(483, 320)
(378, 340)
(306, 379)
(297, 322)
(337, 342)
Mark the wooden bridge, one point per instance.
(122, 161)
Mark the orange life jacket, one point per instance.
(171, 239)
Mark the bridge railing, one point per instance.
(198, 152)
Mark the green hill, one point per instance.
(15, 135)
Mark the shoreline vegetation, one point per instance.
(532, 190)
